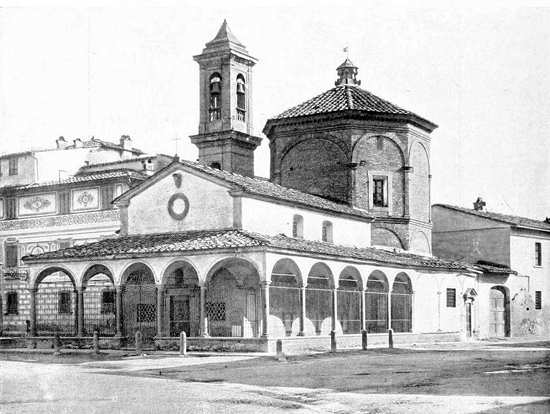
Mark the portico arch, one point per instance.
(319, 300)
(139, 303)
(401, 303)
(376, 301)
(54, 303)
(284, 303)
(233, 299)
(180, 305)
(98, 301)
(349, 300)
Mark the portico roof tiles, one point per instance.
(195, 241)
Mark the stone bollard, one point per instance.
(139, 343)
(332, 341)
(390, 338)
(56, 344)
(364, 340)
(279, 349)
(96, 342)
(183, 343)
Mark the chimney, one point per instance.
(547, 220)
(125, 141)
(61, 143)
(77, 143)
(479, 204)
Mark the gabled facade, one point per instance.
(505, 241)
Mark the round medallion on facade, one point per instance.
(178, 206)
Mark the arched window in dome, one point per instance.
(215, 96)
(241, 98)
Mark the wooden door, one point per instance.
(179, 315)
(497, 317)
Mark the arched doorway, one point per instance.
(349, 300)
(499, 315)
(401, 304)
(284, 299)
(99, 301)
(376, 303)
(319, 299)
(232, 299)
(181, 310)
(55, 303)
(139, 302)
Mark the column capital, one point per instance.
(32, 289)
(265, 283)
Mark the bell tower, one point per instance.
(225, 137)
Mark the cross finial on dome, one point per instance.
(347, 73)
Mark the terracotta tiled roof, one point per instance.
(192, 241)
(263, 187)
(77, 179)
(504, 218)
(348, 98)
(489, 267)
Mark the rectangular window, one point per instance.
(64, 300)
(107, 195)
(451, 298)
(13, 167)
(538, 254)
(11, 255)
(11, 208)
(326, 234)
(538, 299)
(12, 304)
(64, 202)
(146, 312)
(108, 301)
(379, 196)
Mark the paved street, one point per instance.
(448, 379)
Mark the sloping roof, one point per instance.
(77, 179)
(193, 241)
(494, 268)
(260, 187)
(516, 221)
(349, 98)
(225, 35)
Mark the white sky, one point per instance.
(481, 73)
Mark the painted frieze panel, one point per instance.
(86, 199)
(37, 204)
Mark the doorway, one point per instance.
(498, 312)
(180, 317)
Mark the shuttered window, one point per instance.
(12, 303)
(107, 195)
(451, 298)
(64, 202)
(11, 208)
(11, 255)
(538, 299)
(538, 254)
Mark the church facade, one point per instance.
(337, 240)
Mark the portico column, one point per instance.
(203, 322)
(334, 309)
(302, 310)
(389, 310)
(80, 311)
(160, 309)
(363, 315)
(265, 313)
(32, 291)
(118, 304)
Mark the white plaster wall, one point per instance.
(271, 218)
(210, 206)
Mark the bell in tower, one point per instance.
(225, 137)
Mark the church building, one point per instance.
(338, 239)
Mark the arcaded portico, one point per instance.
(257, 290)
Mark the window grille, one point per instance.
(451, 298)
(538, 254)
(215, 311)
(146, 312)
(12, 304)
(538, 299)
(376, 304)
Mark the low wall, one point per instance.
(308, 344)
(215, 344)
(46, 342)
